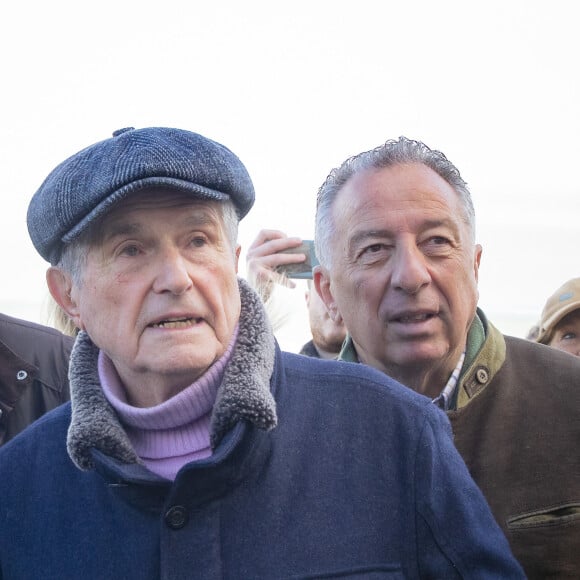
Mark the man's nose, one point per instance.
(410, 272)
(172, 273)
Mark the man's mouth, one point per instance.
(409, 318)
(176, 323)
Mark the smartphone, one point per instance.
(302, 270)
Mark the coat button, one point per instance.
(21, 375)
(482, 376)
(176, 517)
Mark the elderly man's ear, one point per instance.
(60, 286)
(322, 284)
(237, 256)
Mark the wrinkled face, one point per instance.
(404, 269)
(327, 334)
(566, 335)
(159, 291)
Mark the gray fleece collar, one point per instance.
(244, 393)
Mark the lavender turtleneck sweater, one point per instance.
(169, 435)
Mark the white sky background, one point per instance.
(296, 87)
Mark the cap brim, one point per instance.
(547, 326)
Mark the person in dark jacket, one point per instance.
(33, 373)
(395, 237)
(193, 447)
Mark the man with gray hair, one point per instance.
(193, 447)
(395, 237)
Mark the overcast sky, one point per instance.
(296, 87)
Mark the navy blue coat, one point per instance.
(360, 478)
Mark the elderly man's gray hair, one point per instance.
(400, 151)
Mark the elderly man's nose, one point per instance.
(410, 271)
(173, 274)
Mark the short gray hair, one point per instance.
(74, 254)
(400, 151)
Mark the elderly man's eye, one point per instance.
(373, 253)
(130, 250)
(373, 248)
(199, 241)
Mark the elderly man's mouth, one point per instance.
(414, 318)
(177, 323)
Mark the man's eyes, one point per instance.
(132, 249)
(432, 244)
(433, 240)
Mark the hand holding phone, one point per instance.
(302, 270)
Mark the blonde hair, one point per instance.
(58, 318)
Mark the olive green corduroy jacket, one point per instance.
(517, 427)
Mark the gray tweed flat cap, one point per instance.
(85, 186)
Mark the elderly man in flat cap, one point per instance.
(194, 448)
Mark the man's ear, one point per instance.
(60, 285)
(476, 260)
(324, 288)
(237, 258)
